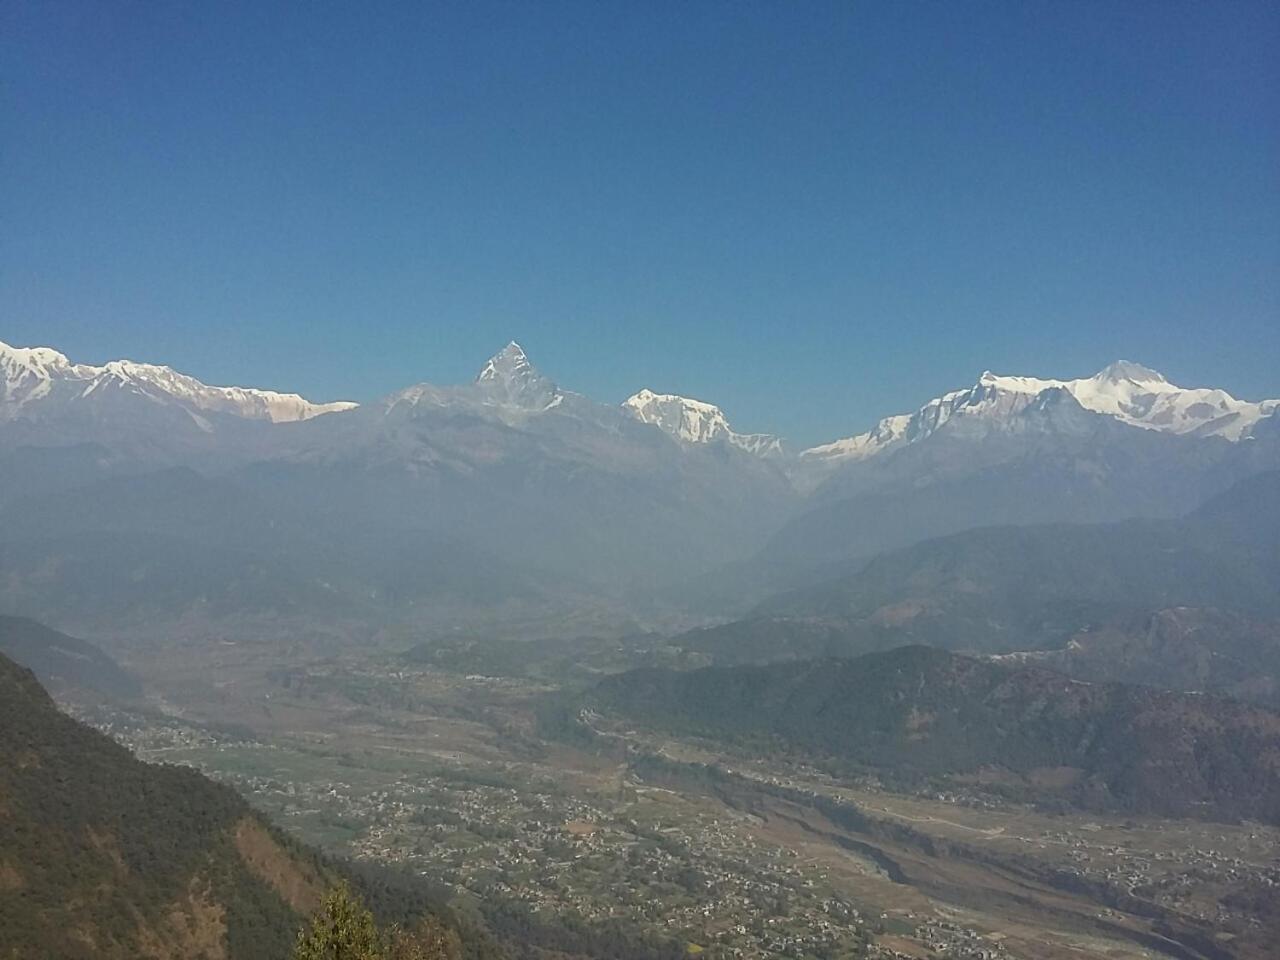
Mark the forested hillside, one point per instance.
(916, 714)
(103, 856)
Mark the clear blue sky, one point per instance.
(811, 214)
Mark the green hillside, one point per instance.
(917, 714)
(103, 856)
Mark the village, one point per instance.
(512, 827)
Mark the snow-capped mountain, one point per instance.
(438, 493)
(509, 379)
(508, 388)
(694, 421)
(515, 466)
(34, 378)
(1127, 392)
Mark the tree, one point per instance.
(343, 929)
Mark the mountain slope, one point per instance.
(1100, 473)
(140, 553)
(512, 492)
(132, 417)
(918, 713)
(694, 421)
(64, 663)
(1127, 392)
(103, 856)
(1182, 648)
(37, 380)
(1000, 589)
(517, 466)
(1018, 450)
(506, 498)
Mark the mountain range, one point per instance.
(1127, 392)
(42, 385)
(1190, 604)
(985, 586)
(1177, 648)
(149, 498)
(39, 381)
(1045, 538)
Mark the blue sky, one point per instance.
(812, 214)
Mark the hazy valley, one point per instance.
(994, 679)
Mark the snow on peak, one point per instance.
(1128, 370)
(37, 360)
(690, 420)
(509, 379)
(26, 374)
(695, 421)
(508, 361)
(30, 374)
(1126, 391)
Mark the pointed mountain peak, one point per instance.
(511, 353)
(508, 378)
(1128, 370)
(508, 361)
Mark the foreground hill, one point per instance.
(103, 856)
(916, 714)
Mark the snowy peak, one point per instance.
(1142, 397)
(26, 374)
(683, 418)
(1123, 370)
(32, 375)
(694, 421)
(509, 379)
(1125, 391)
(41, 362)
(510, 361)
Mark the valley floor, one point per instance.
(721, 855)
